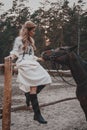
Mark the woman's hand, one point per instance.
(8, 57)
(40, 59)
(12, 57)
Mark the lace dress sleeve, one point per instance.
(15, 50)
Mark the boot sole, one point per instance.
(40, 121)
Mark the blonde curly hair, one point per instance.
(24, 33)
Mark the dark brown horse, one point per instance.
(78, 67)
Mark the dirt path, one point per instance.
(62, 116)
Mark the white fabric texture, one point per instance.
(30, 72)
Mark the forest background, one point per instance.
(57, 21)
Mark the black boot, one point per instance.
(39, 88)
(37, 114)
(27, 95)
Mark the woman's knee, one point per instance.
(33, 90)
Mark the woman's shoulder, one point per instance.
(18, 41)
(19, 38)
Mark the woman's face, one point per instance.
(32, 32)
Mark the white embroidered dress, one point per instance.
(30, 72)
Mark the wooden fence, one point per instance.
(6, 113)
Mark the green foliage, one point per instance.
(61, 24)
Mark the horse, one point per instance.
(78, 67)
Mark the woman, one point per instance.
(30, 73)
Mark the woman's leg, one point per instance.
(35, 106)
(27, 94)
(39, 88)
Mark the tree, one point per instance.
(11, 22)
(59, 23)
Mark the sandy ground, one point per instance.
(66, 115)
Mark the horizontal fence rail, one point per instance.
(55, 72)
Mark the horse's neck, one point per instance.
(84, 63)
(77, 70)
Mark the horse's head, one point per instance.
(48, 54)
(58, 53)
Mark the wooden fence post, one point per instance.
(6, 114)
